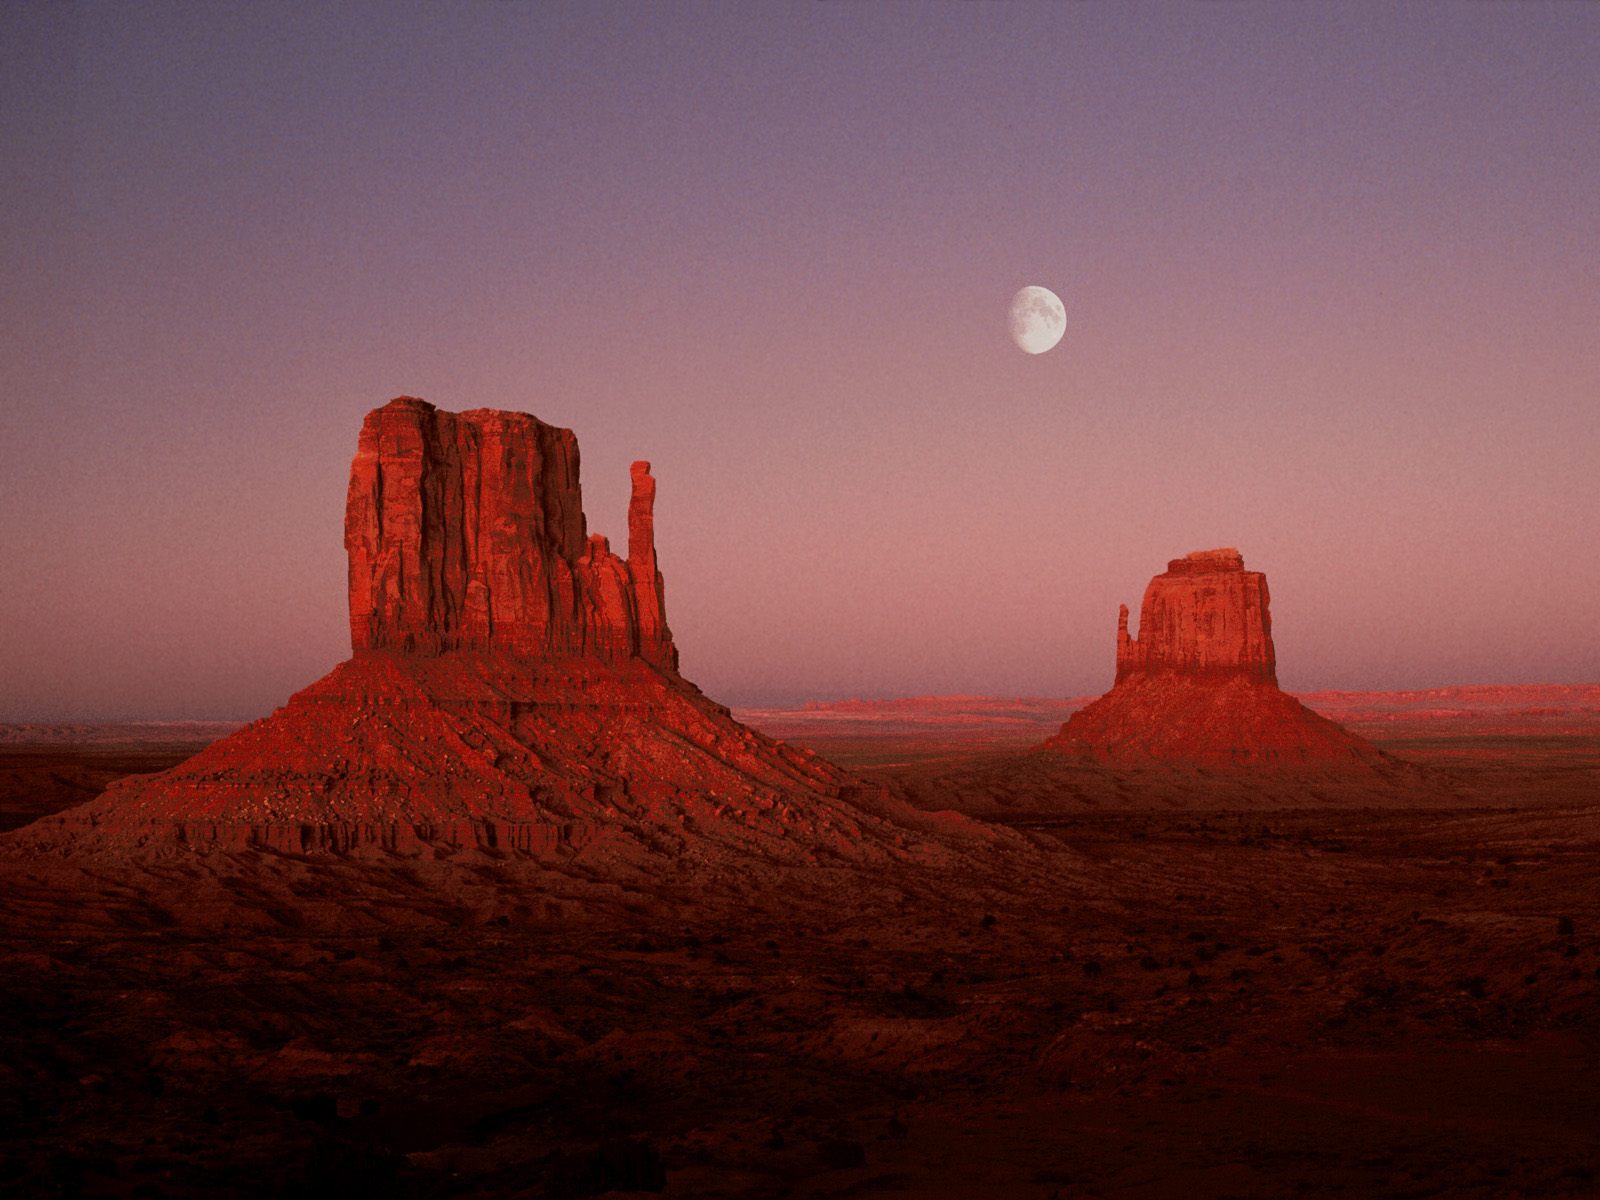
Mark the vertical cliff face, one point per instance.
(1200, 684)
(1206, 615)
(466, 531)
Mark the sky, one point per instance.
(1331, 273)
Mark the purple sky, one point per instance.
(1332, 279)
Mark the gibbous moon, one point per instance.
(1038, 319)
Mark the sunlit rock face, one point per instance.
(466, 531)
(1206, 615)
(1199, 684)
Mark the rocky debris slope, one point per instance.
(514, 686)
(1199, 684)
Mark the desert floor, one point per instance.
(1151, 998)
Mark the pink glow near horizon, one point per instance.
(1330, 277)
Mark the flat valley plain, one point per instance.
(1165, 989)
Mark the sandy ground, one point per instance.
(1367, 1001)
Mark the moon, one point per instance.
(1038, 319)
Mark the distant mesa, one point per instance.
(514, 686)
(1199, 685)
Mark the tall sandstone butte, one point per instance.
(514, 685)
(1199, 685)
(465, 531)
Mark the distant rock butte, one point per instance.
(514, 685)
(1206, 615)
(1199, 684)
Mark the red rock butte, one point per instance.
(466, 531)
(1199, 685)
(514, 685)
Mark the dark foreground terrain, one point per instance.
(37, 779)
(1350, 1002)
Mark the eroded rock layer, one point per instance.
(1199, 684)
(391, 750)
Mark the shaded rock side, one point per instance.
(1199, 684)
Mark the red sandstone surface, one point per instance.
(1199, 685)
(1205, 615)
(466, 531)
